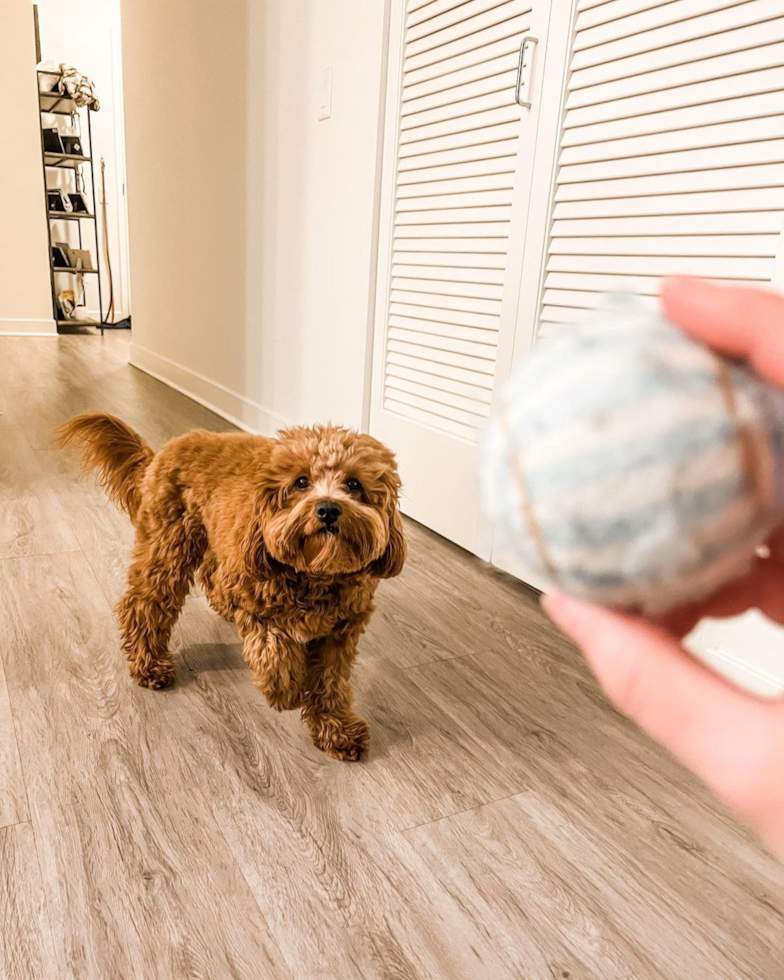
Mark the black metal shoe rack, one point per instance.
(53, 103)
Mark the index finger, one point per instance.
(739, 321)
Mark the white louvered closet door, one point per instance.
(455, 193)
(668, 157)
(672, 152)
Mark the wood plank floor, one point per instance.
(507, 824)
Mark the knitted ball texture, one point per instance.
(632, 466)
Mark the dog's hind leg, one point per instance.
(327, 708)
(164, 562)
(217, 596)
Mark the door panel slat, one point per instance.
(474, 392)
(712, 158)
(459, 216)
(512, 27)
(438, 342)
(438, 301)
(446, 331)
(477, 57)
(404, 386)
(456, 161)
(482, 321)
(417, 121)
(729, 15)
(462, 124)
(674, 226)
(561, 314)
(647, 22)
(700, 70)
(609, 10)
(487, 229)
(582, 300)
(455, 95)
(442, 287)
(680, 140)
(465, 185)
(672, 150)
(764, 246)
(444, 13)
(493, 246)
(462, 203)
(445, 273)
(448, 82)
(429, 417)
(457, 359)
(731, 110)
(766, 26)
(753, 82)
(665, 265)
(730, 178)
(460, 141)
(441, 370)
(459, 260)
(464, 29)
(491, 167)
(498, 150)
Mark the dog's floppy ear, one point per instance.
(391, 562)
(254, 553)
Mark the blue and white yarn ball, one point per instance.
(632, 466)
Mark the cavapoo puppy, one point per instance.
(288, 536)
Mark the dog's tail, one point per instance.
(112, 448)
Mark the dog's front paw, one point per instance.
(283, 698)
(346, 739)
(153, 675)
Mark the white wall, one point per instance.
(25, 301)
(252, 222)
(87, 35)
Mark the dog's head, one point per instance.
(328, 505)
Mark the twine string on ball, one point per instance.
(524, 500)
(748, 444)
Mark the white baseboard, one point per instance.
(742, 673)
(230, 405)
(93, 314)
(745, 649)
(119, 314)
(27, 328)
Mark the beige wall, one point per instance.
(251, 222)
(25, 301)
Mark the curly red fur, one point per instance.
(241, 512)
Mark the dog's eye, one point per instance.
(302, 483)
(353, 486)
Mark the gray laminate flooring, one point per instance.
(507, 823)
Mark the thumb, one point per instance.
(714, 729)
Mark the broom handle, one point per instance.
(110, 311)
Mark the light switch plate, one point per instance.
(325, 93)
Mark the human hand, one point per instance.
(733, 741)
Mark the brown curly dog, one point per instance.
(289, 537)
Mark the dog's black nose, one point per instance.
(328, 511)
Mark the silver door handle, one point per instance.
(525, 67)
